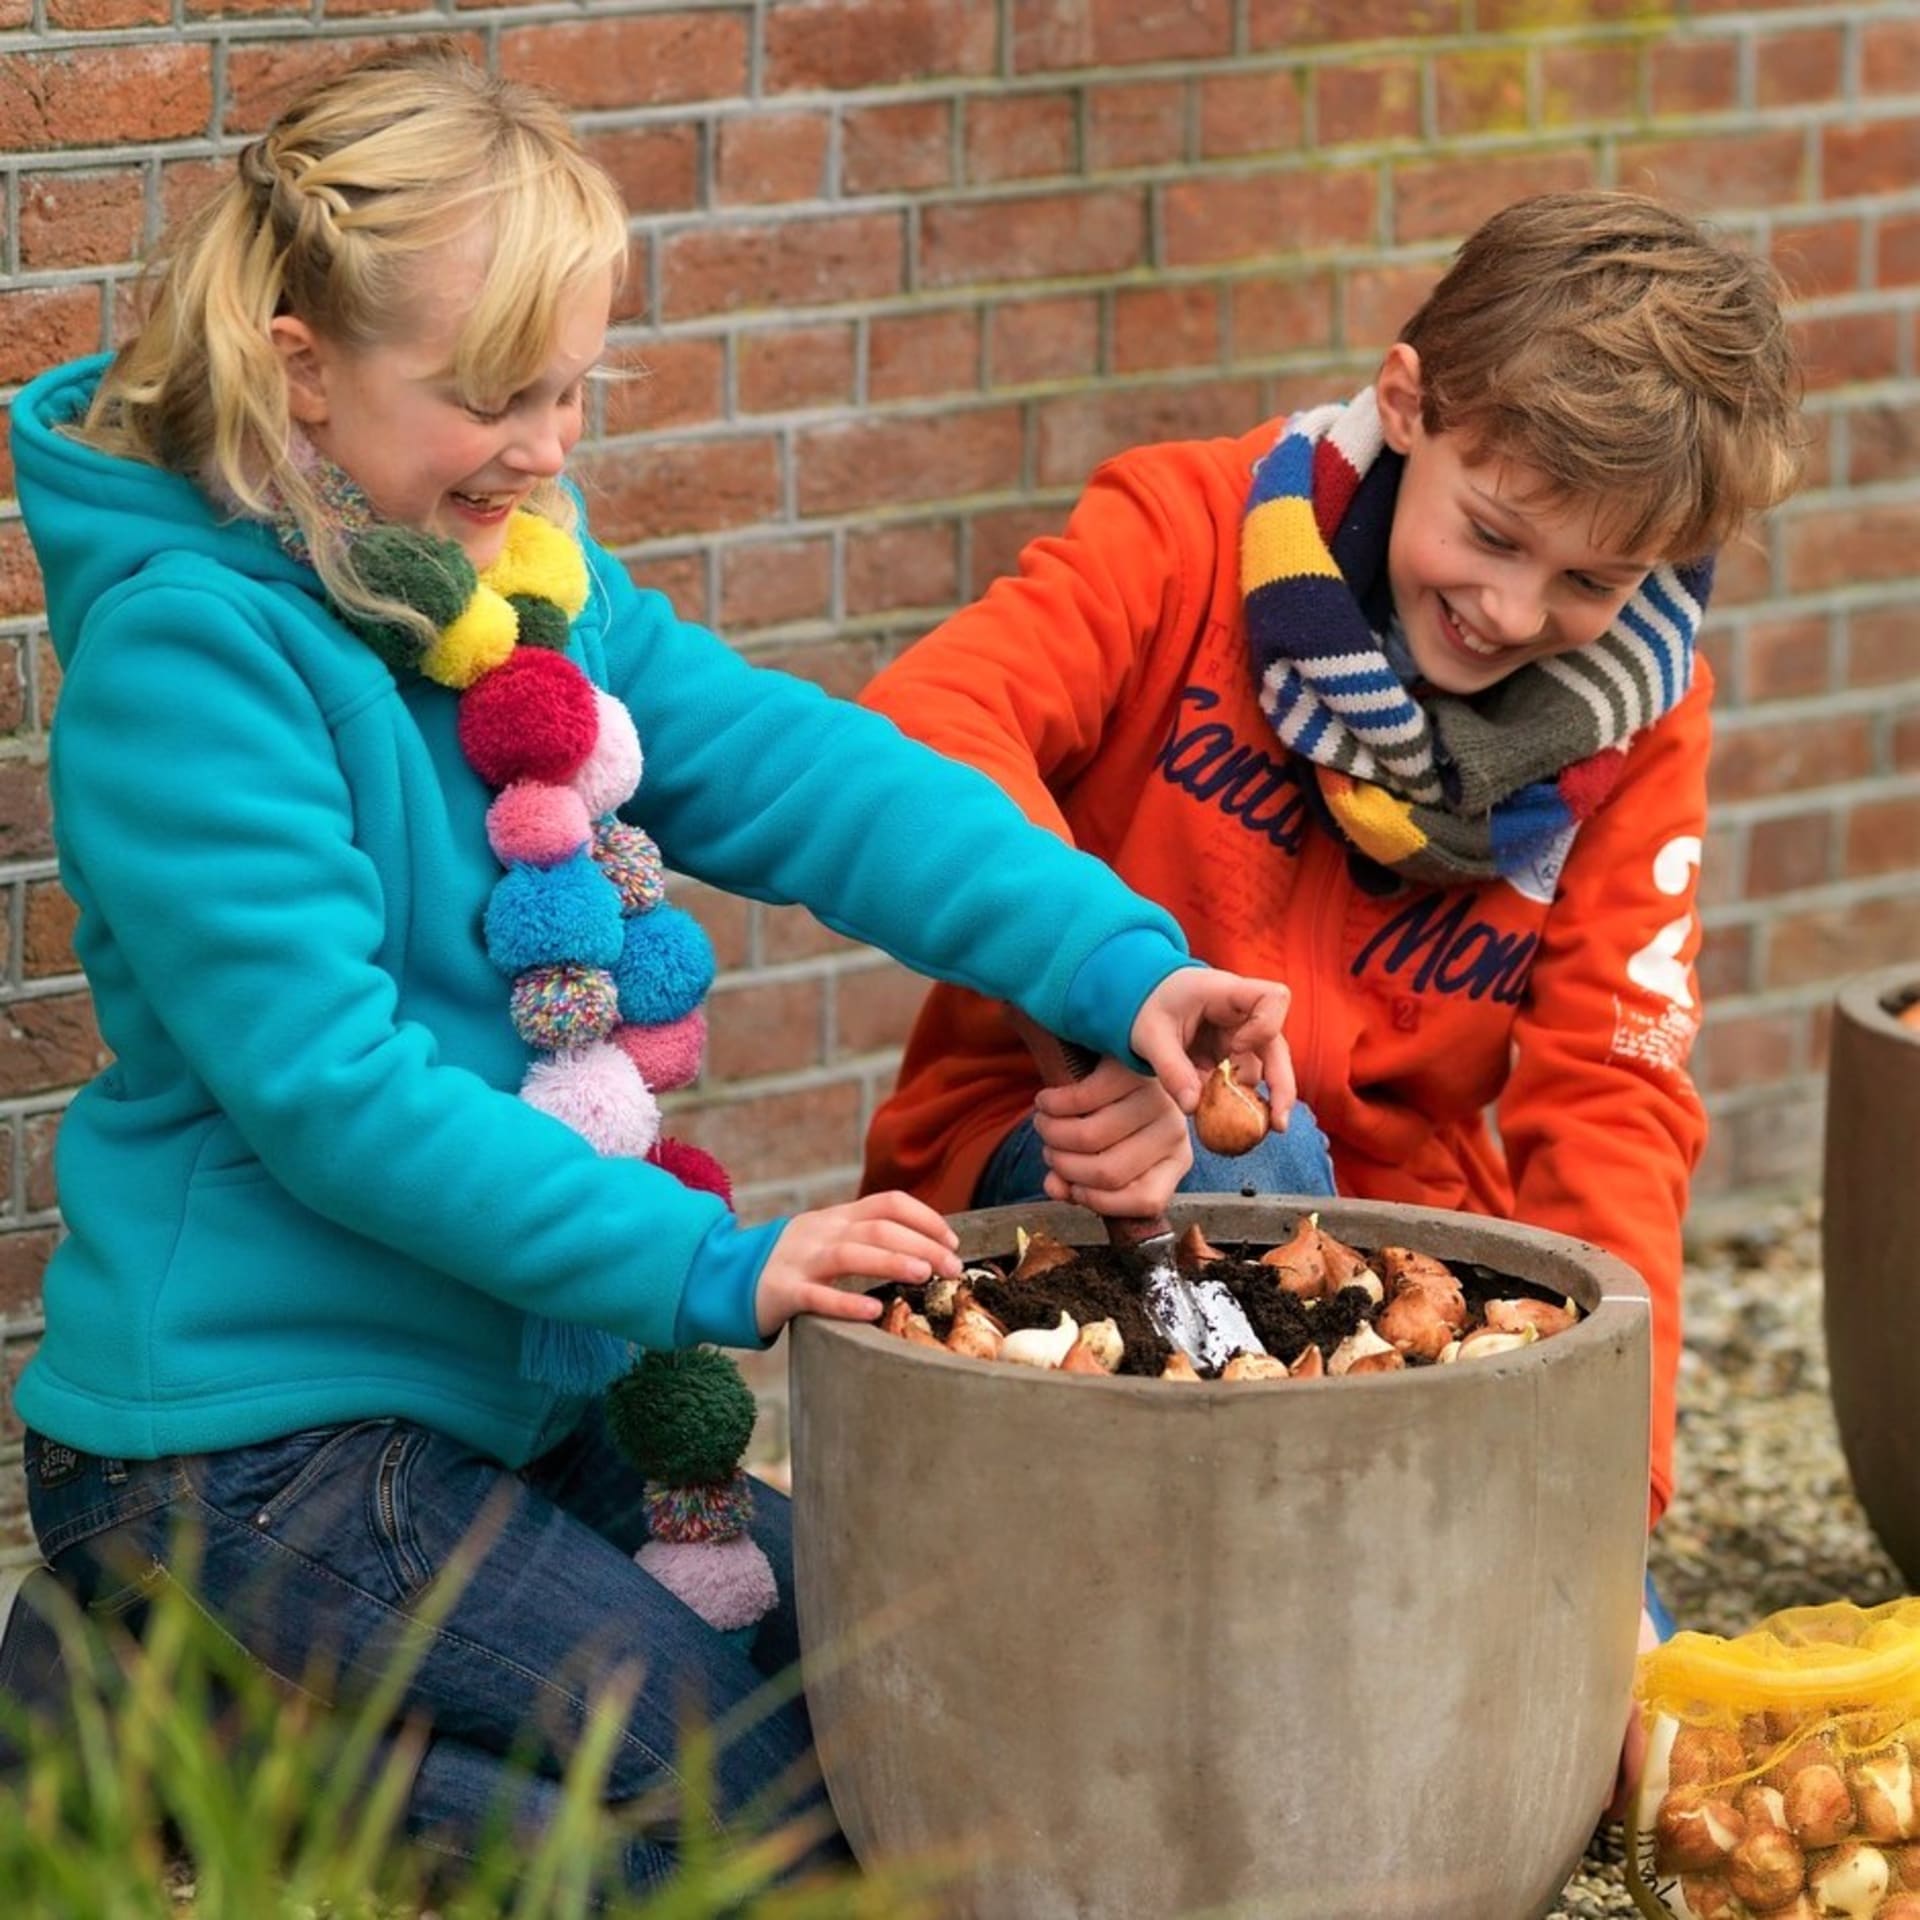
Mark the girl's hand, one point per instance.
(1633, 1747)
(886, 1236)
(1198, 1017)
(1115, 1142)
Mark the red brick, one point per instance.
(1881, 156)
(657, 169)
(1269, 215)
(1789, 854)
(1447, 199)
(775, 1134)
(1742, 1050)
(1165, 326)
(1883, 836)
(682, 577)
(911, 355)
(47, 1044)
(1727, 962)
(897, 567)
(1504, 16)
(1480, 93)
(897, 149)
(209, 9)
(1048, 339)
(868, 463)
(1368, 102)
(1719, 867)
(186, 184)
(1765, 169)
(13, 696)
(94, 97)
(261, 80)
(1102, 231)
(723, 269)
(1890, 56)
(728, 919)
(798, 367)
(630, 291)
(24, 1254)
(1787, 659)
(1263, 111)
(1138, 123)
(6, 451)
(21, 590)
(1906, 742)
(772, 582)
(675, 382)
(1588, 83)
(1883, 644)
(1021, 136)
(1686, 78)
(1883, 439)
(1380, 300)
(838, 666)
(1817, 257)
(1852, 544)
(80, 219)
(1798, 68)
(1090, 33)
(658, 489)
(1835, 943)
(873, 1009)
(999, 538)
(1743, 573)
(792, 933)
(1298, 25)
(1898, 261)
(47, 949)
(351, 9)
(1076, 434)
(42, 1131)
(844, 44)
(647, 61)
(1790, 755)
(1273, 314)
(47, 677)
(770, 157)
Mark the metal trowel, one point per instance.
(1198, 1316)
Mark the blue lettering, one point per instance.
(1431, 935)
(1264, 794)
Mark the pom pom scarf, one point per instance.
(1441, 789)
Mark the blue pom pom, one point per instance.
(665, 968)
(567, 915)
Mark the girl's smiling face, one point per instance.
(1489, 571)
(426, 454)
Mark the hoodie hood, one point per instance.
(95, 520)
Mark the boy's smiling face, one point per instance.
(1489, 570)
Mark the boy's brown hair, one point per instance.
(1627, 356)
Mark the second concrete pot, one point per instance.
(1123, 1649)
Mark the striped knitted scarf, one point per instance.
(1441, 789)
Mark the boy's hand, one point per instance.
(886, 1236)
(1115, 1142)
(1633, 1750)
(1198, 1017)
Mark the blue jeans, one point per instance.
(314, 1550)
(1296, 1161)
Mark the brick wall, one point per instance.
(905, 269)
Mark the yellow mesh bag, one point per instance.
(1783, 1770)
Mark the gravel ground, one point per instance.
(1763, 1516)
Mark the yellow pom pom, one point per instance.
(475, 643)
(543, 559)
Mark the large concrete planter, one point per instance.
(1870, 1234)
(1311, 1650)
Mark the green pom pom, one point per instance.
(682, 1419)
(421, 571)
(543, 623)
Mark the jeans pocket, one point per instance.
(262, 1483)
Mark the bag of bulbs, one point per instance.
(1783, 1770)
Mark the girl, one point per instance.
(345, 779)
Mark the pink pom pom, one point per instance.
(668, 1055)
(727, 1583)
(538, 823)
(532, 718)
(595, 1091)
(607, 777)
(693, 1167)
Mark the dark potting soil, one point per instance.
(1105, 1283)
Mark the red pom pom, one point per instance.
(533, 717)
(1587, 782)
(693, 1167)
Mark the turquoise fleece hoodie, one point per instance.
(305, 1192)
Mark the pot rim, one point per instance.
(1863, 1000)
(1623, 1297)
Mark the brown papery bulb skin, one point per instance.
(1710, 1898)
(1413, 1322)
(1903, 1906)
(1705, 1757)
(1229, 1119)
(1819, 1807)
(1767, 1869)
(1300, 1264)
(1695, 1831)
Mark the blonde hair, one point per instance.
(329, 217)
(1624, 354)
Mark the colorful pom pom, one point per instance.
(596, 1092)
(631, 861)
(665, 967)
(541, 559)
(693, 1167)
(534, 718)
(682, 1418)
(694, 1515)
(728, 1584)
(554, 916)
(539, 823)
(668, 1055)
(608, 776)
(481, 640)
(555, 1008)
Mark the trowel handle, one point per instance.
(1062, 1063)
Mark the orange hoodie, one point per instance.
(1107, 687)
